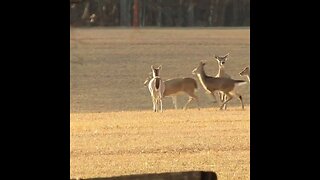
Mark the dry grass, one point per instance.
(123, 143)
(109, 66)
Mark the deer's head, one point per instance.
(221, 59)
(156, 71)
(199, 69)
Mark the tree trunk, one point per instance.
(190, 13)
(101, 14)
(135, 22)
(123, 12)
(142, 12)
(159, 18)
(85, 14)
(211, 13)
(180, 13)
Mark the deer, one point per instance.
(156, 87)
(221, 72)
(212, 84)
(246, 72)
(179, 86)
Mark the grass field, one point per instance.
(121, 143)
(113, 130)
(109, 66)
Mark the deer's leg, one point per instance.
(221, 95)
(160, 100)
(239, 97)
(217, 93)
(174, 100)
(189, 100)
(225, 102)
(159, 105)
(192, 96)
(197, 100)
(224, 99)
(154, 104)
(214, 97)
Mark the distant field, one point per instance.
(113, 130)
(109, 66)
(123, 143)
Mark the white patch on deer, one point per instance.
(241, 83)
(202, 83)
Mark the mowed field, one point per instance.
(113, 130)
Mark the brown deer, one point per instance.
(212, 84)
(179, 86)
(222, 73)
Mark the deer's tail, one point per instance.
(240, 82)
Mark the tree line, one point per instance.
(162, 13)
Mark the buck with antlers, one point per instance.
(156, 88)
(212, 84)
(179, 86)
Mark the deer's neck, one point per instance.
(155, 74)
(202, 78)
(221, 72)
(248, 77)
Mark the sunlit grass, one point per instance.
(134, 142)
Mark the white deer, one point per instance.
(179, 86)
(212, 84)
(156, 88)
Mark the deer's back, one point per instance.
(223, 84)
(176, 85)
(223, 75)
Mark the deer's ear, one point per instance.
(152, 67)
(215, 56)
(225, 56)
(160, 67)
